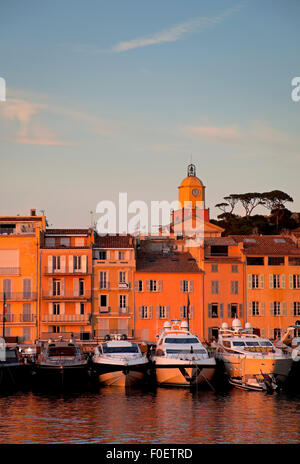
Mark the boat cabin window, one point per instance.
(173, 351)
(252, 343)
(227, 344)
(265, 343)
(238, 343)
(10, 354)
(182, 340)
(120, 349)
(62, 351)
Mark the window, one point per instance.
(55, 329)
(102, 255)
(276, 281)
(255, 261)
(295, 281)
(56, 263)
(234, 287)
(7, 287)
(232, 310)
(145, 312)
(56, 308)
(122, 277)
(56, 287)
(26, 316)
(81, 287)
(65, 241)
(77, 263)
(294, 261)
(153, 286)
(103, 279)
(81, 308)
(277, 334)
(26, 333)
(162, 314)
(255, 308)
(183, 312)
(26, 288)
(275, 260)
(219, 250)
(140, 285)
(103, 301)
(50, 242)
(214, 287)
(122, 301)
(214, 268)
(214, 310)
(186, 286)
(276, 306)
(121, 255)
(254, 281)
(296, 308)
(234, 268)
(79, 241)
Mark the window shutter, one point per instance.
(291, 280)
(50, 287)
(263, 333)
(148, 285)
(191, 312)
(136, 285)
(249, 281)
(221, 311)
(63, 263)
(291, 309)
(62, 308)
(160, 285)
(284, 310)
(271, 333)
(168, 312)
(62, 287)
(150, 312)
(262, 281)
(229, 310)
(76, 286)
(141, 312)
(241, 312)
(181, 285)
(191, 286)
(209, 310)
(26, 287)
(283, 281)
(71, 267)
(250, 308)
(84, 263)
(50, 263)
(181, 312)
(272, 308)
(271, 282)
(77, 308)
(50, 306)
(157, 312)
(231, 287)
(262, 310)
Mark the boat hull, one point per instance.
(14, 376)
(184, 374)
(71, 376)
(121, 375)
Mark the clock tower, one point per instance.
(192, 189)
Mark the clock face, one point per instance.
(195, 192)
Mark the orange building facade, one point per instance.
(66, 283)
(19, 276)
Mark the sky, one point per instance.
(107, 97)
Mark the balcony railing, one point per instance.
(124, 310)
(66, 270)
(17, 318)
(67, 294)
(100, 334)
(70, 318)
(26, 317)
(18, 296)
(9, 271)
(124, 285)
(104, 309)
(104, 286)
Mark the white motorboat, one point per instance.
(180, 359)
(61, 361)
(248, 357)
(120, 362)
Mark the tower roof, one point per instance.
(191, 180)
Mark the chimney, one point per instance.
(33, 212)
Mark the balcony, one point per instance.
(18, 296)
(124, 310)
(15, 318)
(104, 309)
(64, 271)
(66, 295)
(124, 285)
(66, 318)
(26, 317)
(9, 271)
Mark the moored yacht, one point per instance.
(61, 361)
(120, 362)
(249, 360)
(13, 372)
(180, 359)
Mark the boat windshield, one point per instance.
(238, 343)
(252, 343)
(186, 341)
(265, 343)
(62, 351)
(120, 349)
(170, 351)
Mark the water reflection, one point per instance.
(113, 415)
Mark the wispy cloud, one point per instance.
(174, 33)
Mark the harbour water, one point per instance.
(112, 415)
